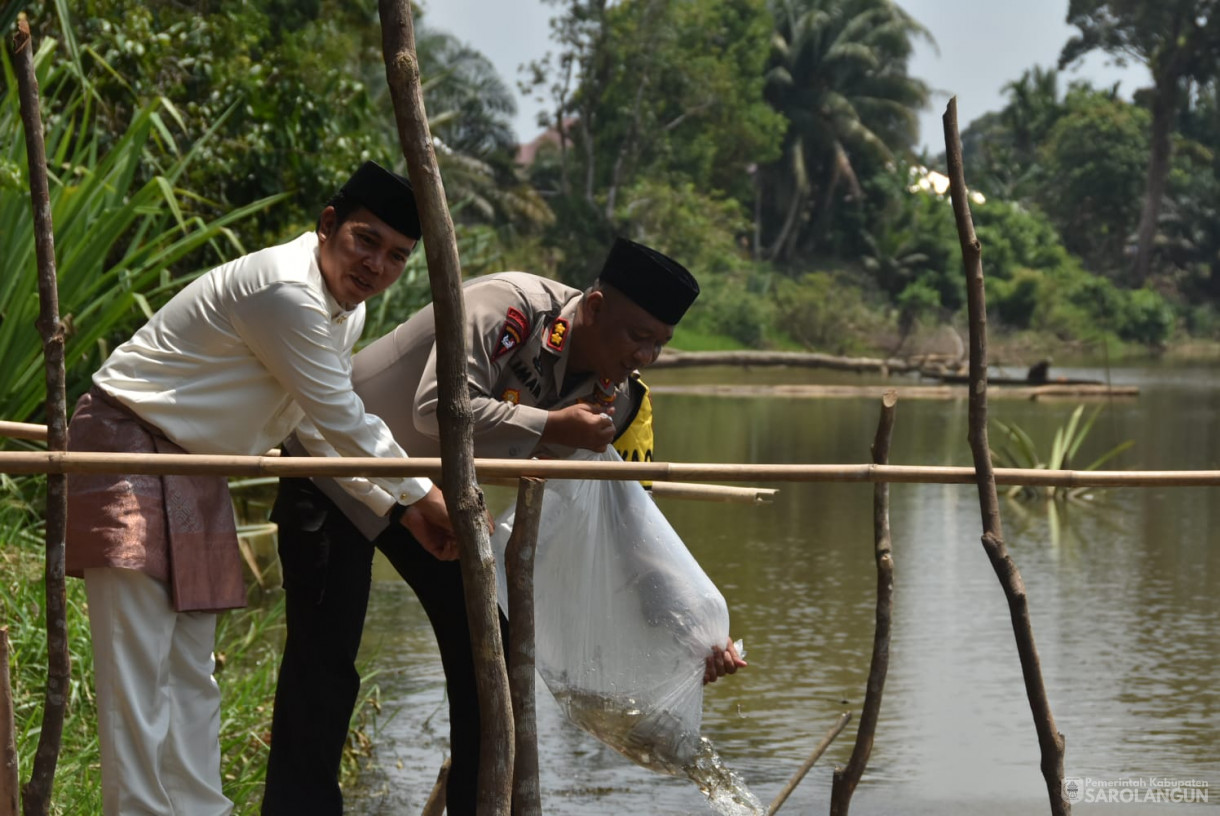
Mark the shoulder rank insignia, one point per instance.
(511, 395)
(516, 329)
(558, 335)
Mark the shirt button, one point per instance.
(404, 498)
(341, 319)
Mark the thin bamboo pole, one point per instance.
(454, 413)
(9, 785)
(20, 462)
(715, 493)
(818, 750)
(435, 806)
(24, 430)
(845, 779)
(688, 490)
(1050, 740)
(36, 800)
(519, 569)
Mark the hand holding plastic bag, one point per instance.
(624, 617)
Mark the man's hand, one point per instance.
(721, 662)
(428, 520)
(580, 425)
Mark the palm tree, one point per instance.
(838, 72)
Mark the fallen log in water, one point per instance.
(942, 392)
(796, 359)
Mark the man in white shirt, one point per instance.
(231, 365)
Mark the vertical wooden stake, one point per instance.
(9, 796)
(1050, 741)
(459, 482)
(37, 798)
(519, 566)
(846, 779)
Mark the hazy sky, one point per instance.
(980, 46)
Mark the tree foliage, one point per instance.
(838, 73)
(1179, 41)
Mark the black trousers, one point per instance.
(327, 566)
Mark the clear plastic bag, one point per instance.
(624, 618)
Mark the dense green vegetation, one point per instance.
(768, 144)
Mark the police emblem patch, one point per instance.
(558, 335)
(511, 395)
(604, 392)
(516, 329)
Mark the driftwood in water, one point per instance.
(36, 799)
(1050, 741)
(939, 392)
(846, 778)
(797, 359)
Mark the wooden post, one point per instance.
(37, 798)
(519, 567)
(458, 480)
(9, 798)
(1050, 741)
(818, 750)
(846, 779)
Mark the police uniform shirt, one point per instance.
(518, 329)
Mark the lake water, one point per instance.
(1122, 593)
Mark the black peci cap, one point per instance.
(386, 195)
(656, 283)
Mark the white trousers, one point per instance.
(158, 704)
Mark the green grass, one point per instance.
(695, 339)
(248, 644)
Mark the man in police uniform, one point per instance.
(550, 369)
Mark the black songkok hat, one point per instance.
(656, 283)
(386, 195)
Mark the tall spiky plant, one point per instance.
(117, 237)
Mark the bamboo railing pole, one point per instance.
(23, 462)
(458, 479)
(36, 800)
(9, 784)
(1050, 740)
(845, 779)
(818, 750)
(519, 569)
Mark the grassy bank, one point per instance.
(248, 646)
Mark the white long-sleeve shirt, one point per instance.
(238, 358)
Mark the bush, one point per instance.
(1017, 299)
(1146, 318)
(823, 315)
